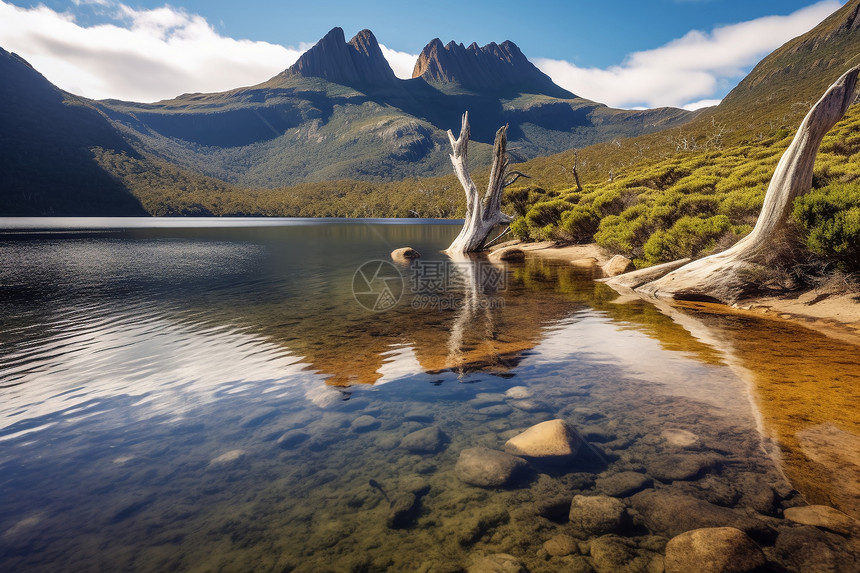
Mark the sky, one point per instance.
(624, 53)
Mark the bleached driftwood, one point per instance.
(728, 275)
(482, 213)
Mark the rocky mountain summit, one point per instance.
(359, 62)
(491, 67)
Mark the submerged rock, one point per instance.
(228, 457)
(495, 410)
(671, 514)
(498, 563)
(561, 545)
(528, 405)
(808, 548)
(825, 517)
(483, 399)
(713, 550)
(364, 424)
(667, 468)
(550, 441)
(424, 441)
(484, 467)
(597, 514)
(680, 438)
(758, 494)
(403, 511)
(613, 554)
(624, 484)
(838, 452)
(481, 525)
(519, 392)
(292, 439)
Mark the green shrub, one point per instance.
(520, 229)
(580, 223)
(547, 213)
(622, 235)
(688, 237)
(829, 219)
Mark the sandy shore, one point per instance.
(836, 315)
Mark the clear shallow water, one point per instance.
(210, 395)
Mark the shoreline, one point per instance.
(834, 315)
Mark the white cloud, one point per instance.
(147, 55)
(694, 105)
(691, 70)
(401, 63)
(143, 55)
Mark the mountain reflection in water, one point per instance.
(212, 394)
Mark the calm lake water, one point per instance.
(233, 395)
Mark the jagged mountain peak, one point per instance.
(487, 68)
(358, 62)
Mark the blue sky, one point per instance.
(625, 53)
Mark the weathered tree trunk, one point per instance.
(482, 213)
(727, 276)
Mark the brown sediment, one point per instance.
(806, 387)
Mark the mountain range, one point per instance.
(339, 112)
(341, 117)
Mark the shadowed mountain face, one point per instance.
(45, 159)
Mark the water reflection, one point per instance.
(806, 387)
(204, 399)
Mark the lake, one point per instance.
(279, 395)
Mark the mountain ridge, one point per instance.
(357, 62)
(323, 120)
(490, 67)
(340, 113)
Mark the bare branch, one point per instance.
(516, 175)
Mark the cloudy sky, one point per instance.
(625, 53)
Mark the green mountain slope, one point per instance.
(303, 125)
(690, 190)
(45, 159)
